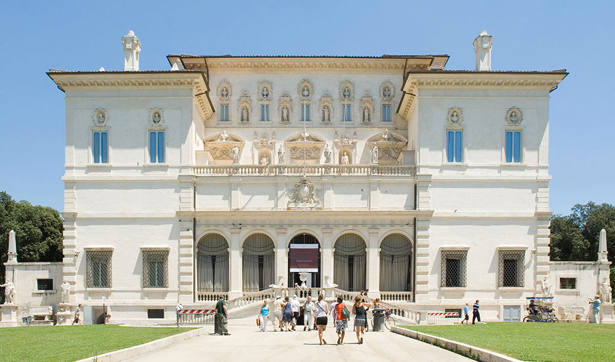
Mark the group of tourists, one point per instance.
(475, 313)
(286, 312)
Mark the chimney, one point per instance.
(132, 48)
(12, 257)
(482, 48)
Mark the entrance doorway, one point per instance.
(304, 257)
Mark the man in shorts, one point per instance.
(466, 314)
(295, 306)
(277, 314)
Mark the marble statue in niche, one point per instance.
(375, 155)
(245, 117)
(326, 114)
(327, 153)
(345, 159)
(281, 155)
(285, 114)
(366, 115)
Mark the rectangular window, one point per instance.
(386, 113)
(346, 113)
(568, 283)
(155, 313)
(98, 269)
(44, 284)
(224, 113)
(305, 113)
(511, 268)
(100, 148)
(155, 268)
(453, 268)
(156, 146)
(513, 146)
(264, 113)
(454, 147)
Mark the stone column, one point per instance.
(373, 262)
(235, 265)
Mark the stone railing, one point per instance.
(211, 296)
(298, 170)
(396, 296)
(249, 298)
(403, 312)
(346, 295)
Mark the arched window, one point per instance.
(212, 264)
(349, 263)
(396, 264)
(258, 263)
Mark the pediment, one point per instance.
(390, 145)
(305, 146)
(220, 146)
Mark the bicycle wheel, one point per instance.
(527, 319)
(388, 322)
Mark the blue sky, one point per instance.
(529, 35)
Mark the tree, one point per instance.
(38, 230)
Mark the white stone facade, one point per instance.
(239, 163)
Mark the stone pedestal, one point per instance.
(9, 315)
(65, 314)
(606, 313)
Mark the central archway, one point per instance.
(258, 263)
(212, 264)
(349, 268)
(396, 264)
(304, 257)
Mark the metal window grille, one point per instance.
(44, 284)
(98, 269)
(155, 268)
(454, 268)
(511, 268)
(568, 283)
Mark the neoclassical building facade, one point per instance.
(227, 174)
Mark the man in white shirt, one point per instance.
(294, 308)
(277, 314)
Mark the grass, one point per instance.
(71, 343)
(546, 342)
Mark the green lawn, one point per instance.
(71, 343)
(557, 342)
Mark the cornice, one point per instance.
(422, 80)
(282, 65)
(197, 80)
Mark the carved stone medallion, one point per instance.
(303, 196)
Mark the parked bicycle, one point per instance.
(540, 311)
(389, 321)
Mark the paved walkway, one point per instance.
(246, 343)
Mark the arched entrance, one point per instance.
(258, 263)
(350, 256)
(396, 264)
(212, 264)
(304, 257)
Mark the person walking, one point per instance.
(295, 306)
(322, 310)
(359, 309)
(341, 321)
(308, 314)
(288, 314)
(221, 318)
(264, 316)
(596, 308)
(475, 312)
(466, 314)
(278, 307)
(78, 318)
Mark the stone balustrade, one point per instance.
(396, 296)
(211, 296)
(298, 170)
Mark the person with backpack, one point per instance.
(341, 315)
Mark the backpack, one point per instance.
(346, 313)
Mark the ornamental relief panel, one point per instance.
(304, 196)
(224, 147)
(100, 118)
(304, 146)
(387, 92)
(156, 118)
(389, 146)
(305, 90)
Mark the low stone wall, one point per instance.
(457, 347)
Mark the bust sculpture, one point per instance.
(265, 93)
(235, 151)
(65, 292)
(386, 93)
(305, 93)
(224, 93)
(156, 118)
(264, 161)
(454, 117)
(223, 136)
(9, 292)
(346, 93)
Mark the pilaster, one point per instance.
(373, 262)
(326, 253)
(542, 248)
(423, 192)
(281, 256)
(422, 260)
(186, 258)
(236, 265)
